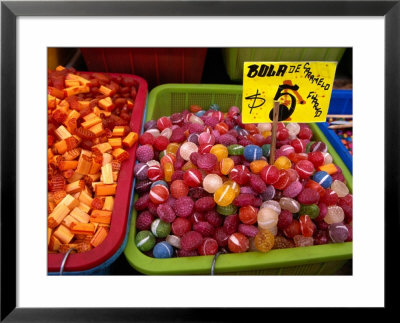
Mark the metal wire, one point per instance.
(215, 259)
(65, 260)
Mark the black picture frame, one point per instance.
(10, 10)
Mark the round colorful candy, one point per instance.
(144, 153)
(311, 210)
(335, 214)
(226, 165)
(238, 243)
(193, 178)
(140, 171)
(179, 189)
(304, 168)
(264, 240)
(306, 225)
(270, 174)
(212, 182)
(174, 241)
(220, 151)
(154, 172)
(187, 149)
(289, 204)
(145, 240)
(267, 218)
(164, 122)
(159, 182)
(180, 226)
(163, 250)
(209, 246)
(252, 152)
(240, 174)
(248, 214)
(323, 179)
(338, 232)
(160, 229)
(191, 240)
(159, 194)
(235, 150)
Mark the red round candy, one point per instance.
(248, 214)
(293, 229)
(321, 237)
(238, 243)
(282, 181)
(316, 187)
(317, 158)
(308, 196)
(282, 134)
(180, 226)
(187, 253)
(146, 139)
(231, 224)
(197, 217)
(222, 128)
(159, 194)
(142, 202)
(144, 221)
(209, 246)
(298, 145)
(205, 148)
(193, 177)
(306, 225)
(330, 197)
(204, 204)
(285, 219)
(166, 213)
(240, 174)
(257, 184)
(304, 168)
(164, 122)
(184, 206)
(305, 133)
(161, 143)
(191, 240)
(269, 174)
(205, 228)
(179, 189)
(221, 237)
(155, 173)
(214, 218)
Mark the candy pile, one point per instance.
(205, 184)
(88, 134)
(345, 135)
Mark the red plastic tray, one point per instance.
(156, 65)
(119, 219)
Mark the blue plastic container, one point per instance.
(341, 103)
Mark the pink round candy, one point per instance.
(214, 218)
(206, 138)
(144, 153)
(293, 189)
(191, 240)
(209, 246)
(308, 196)
(286, 150)
(257, 184)
(248, 230)
(244, 200)
(207, 161)
(184, 206)
(221, 237)
(166, 213)
(204, 204)
(231, 224)
(284, 219)
(205, 228)
(144, 221)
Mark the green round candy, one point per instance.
(226, 210)
(160, 229)
(265, 150)
(309, 146)
(311, 210)
(235, 150)
(145, 240)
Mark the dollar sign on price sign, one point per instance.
(302, 89)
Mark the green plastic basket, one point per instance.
(235, 57)
(314, 260)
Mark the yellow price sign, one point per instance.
(303, 90)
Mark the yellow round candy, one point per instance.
(168, 171)
(264, 240)
(257, 166)
(224, 195)
(226, 165)
(172, 148)
(266, 134)
(235, 186)
(220, 151)
(283, 163)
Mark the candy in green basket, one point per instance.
(145, 240)
(160, 229)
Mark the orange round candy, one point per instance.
(195, 108)
(188, 165)
(257, 165)
(264, 240)
(251, 128)
(226, 165)
(238, 243)
(168, 171)
(168, 158)
(248, 214)
(179, 189)
(222, 128)
(172, 148)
